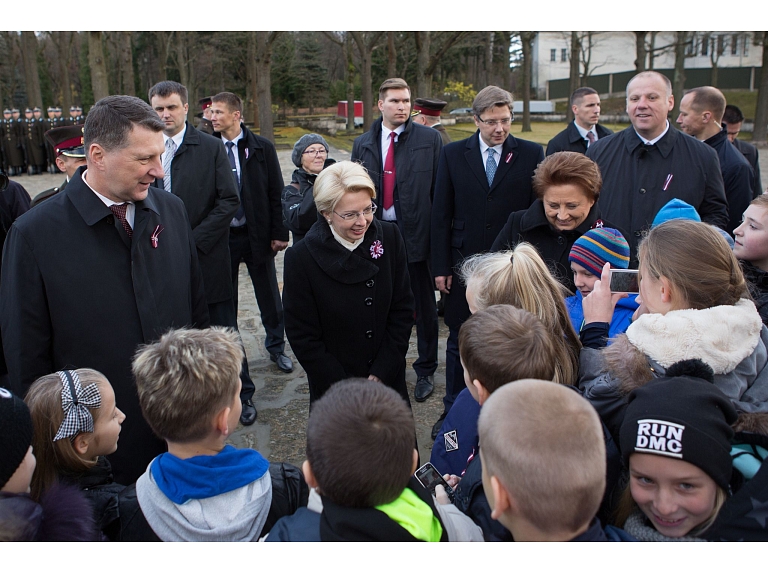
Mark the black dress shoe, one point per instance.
(283, 362)
(248, 416)
(424, 387)
(436, 427)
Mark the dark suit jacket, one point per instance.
(570, 140)
(77, 292)
(750, 153)
(467, 214)
(202, 178)
(261, 185)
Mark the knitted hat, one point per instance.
(598, 246)
(305, 142)
(675, 210)
(684, 418)
(15, 434)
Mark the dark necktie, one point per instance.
(591, 138)
(389, 173)
(240, 211)
(119, 211)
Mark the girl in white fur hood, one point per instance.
(694, 304)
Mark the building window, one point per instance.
(553, 55)
(704, 45)
(735, 45)
(563, 55)
(690, 48)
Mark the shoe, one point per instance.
(283, 362)
(436, 427)
(425, 385)
(248, 416)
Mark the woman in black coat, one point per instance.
(567, 185)
(347, 296)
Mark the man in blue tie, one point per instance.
(256, 231)
(480, 181)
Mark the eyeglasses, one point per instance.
(321, 152)
(349, 216)
(494, 123)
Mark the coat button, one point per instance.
(490, 198)
(369, 283)
(370, 362)
(487, 226)
(560, 240)
(369, 301)
(110, 221)
(642, 190)
(369, 334)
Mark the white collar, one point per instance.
(584, 132)
(235, 140)
(484, 147)
(656, 139)
(346, 243)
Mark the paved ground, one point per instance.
(282, 400)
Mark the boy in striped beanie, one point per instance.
(588, 256)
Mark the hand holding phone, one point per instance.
(625, 281)
(430, 478)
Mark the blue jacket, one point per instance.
(622, 314)
(458, 436)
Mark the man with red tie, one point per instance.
(401, 157)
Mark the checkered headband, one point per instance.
(76, 403)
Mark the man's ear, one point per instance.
(96, 155)
(503, 501)
(82, 442)
(415, 461)
(482, 393)
(309, 477)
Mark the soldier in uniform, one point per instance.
(67, 144)
(427, 113)
(205, 116)
(48, 123)
(58, 120)
(79, 118)
(34, 141)
(12, 143)
(70, 121)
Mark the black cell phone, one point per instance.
(624, 281)
(430, 477)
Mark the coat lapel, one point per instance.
(475, 161)
(508, 158)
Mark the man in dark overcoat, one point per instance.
(101, 268)
(584, 130)
(468, 212)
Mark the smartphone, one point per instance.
(430, 477)
(624, 281)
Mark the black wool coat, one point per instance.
(751, 154)
(347, 313)
(77, 292)
(468, 214)
(570, 140)
(553, 245)
(202, 178)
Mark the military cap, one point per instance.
(28, 110)
(67, 141)
(428, 107)
(51, 109)
(73, 108)
(6, 111)
(205, 103)
(14, 111)
(36, 109)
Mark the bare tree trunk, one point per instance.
(678, 82)
(488, 58)
(574, 78)
(99, 80)
(182, 57)
(251, 109)
(640, 51)
(652, 51)
(350, 82)
(526, 39)
(29, 56)
(64, 45)
(391, 55)
(264, 41)
(127, 80)
(505, 71)
(761, 112)
(365, 46)
(423, 88)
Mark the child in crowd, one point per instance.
(676, 441)
(543, 461)
(202, 489)
(77, 424)
(751, 248)
(361, 460)
(588, 256)
(62, 513)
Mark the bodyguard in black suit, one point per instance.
(256, 232)
(102, 267)
(585, 103)
(733, 118)
(468, 212)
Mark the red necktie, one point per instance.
(591, 138)
(119, 211)
(389, 174)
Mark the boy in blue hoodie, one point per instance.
(201, 489)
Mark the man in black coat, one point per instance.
(468, 212)
(415, 152)
(256, 231)
(584, 130)
(89, 275)
(701, 113)
(733, 118)
(649, 163)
